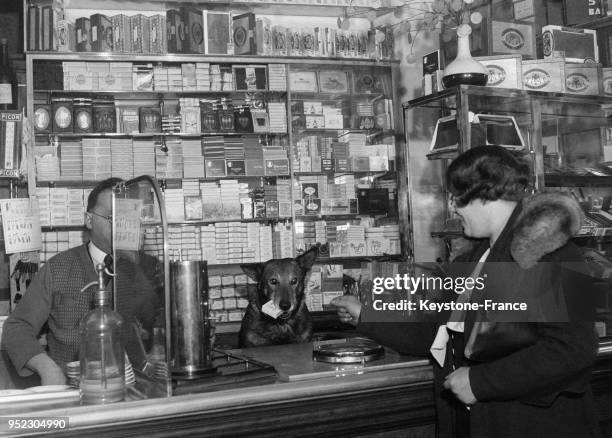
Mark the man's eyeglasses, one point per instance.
(109, 219)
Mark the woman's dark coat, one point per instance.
(541, 390)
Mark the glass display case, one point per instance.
(566, 137)
(141, 281)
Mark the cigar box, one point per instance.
(250, 77)
(175, 31)
(235, 167)
(157, 34)
(294, 38)
(260, 120)
(573, 44)
(544, 75)
(244, 38)
(512, 37)
(308, 41)
(276, 167)
(505, 71)
(279, 41)
(101, 33)
(263, 36)
(122, 41)
(83, 34)
(606, 81)
(194, 27)
(583, 79)
(217, 32)
(139, 25)
(66, 41)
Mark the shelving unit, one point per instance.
(350, 101)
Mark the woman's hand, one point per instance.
(348, 308)
(458, 382)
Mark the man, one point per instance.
(54, 297)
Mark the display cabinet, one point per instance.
(260, 154)
(566, 138)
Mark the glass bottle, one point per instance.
(101, 354)
(8, 84)
(464, 69)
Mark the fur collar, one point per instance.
(545, 223)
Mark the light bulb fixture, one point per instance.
(414, 16)
(475, 17)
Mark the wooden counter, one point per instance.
(392, 396)
(344, 400)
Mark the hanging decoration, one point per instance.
(411, 18)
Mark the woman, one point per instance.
(539, 388)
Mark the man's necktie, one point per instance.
(108, 264)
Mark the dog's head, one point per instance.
(281, 280)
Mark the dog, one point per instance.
(280, 281)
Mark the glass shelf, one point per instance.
(153, 134)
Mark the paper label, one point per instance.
(127, 224)
(270, 309)
(9, 150)
(21, 225)
(6, 94)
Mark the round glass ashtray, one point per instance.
(354, 350)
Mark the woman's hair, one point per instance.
(488, 173)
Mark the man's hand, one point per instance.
(348, 308)
(50, 373)
(458, 382)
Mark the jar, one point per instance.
(83, 115)
(104, 116)
(62, 114)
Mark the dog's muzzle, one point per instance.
(286, 315)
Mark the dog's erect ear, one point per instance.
(306, 260)
(253, 270)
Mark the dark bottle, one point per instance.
(8, 84)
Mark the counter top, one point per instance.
(299, 379)
(295, 362)
(311, 398)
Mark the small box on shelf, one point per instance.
(583, 79)
(432, 79)
(606, 81)
(512, 37)
(101, 33)
(573, 44)
(244, 34)
(83, 34)
(544, 75)
(505, 71)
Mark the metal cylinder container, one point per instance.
(191, 330)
